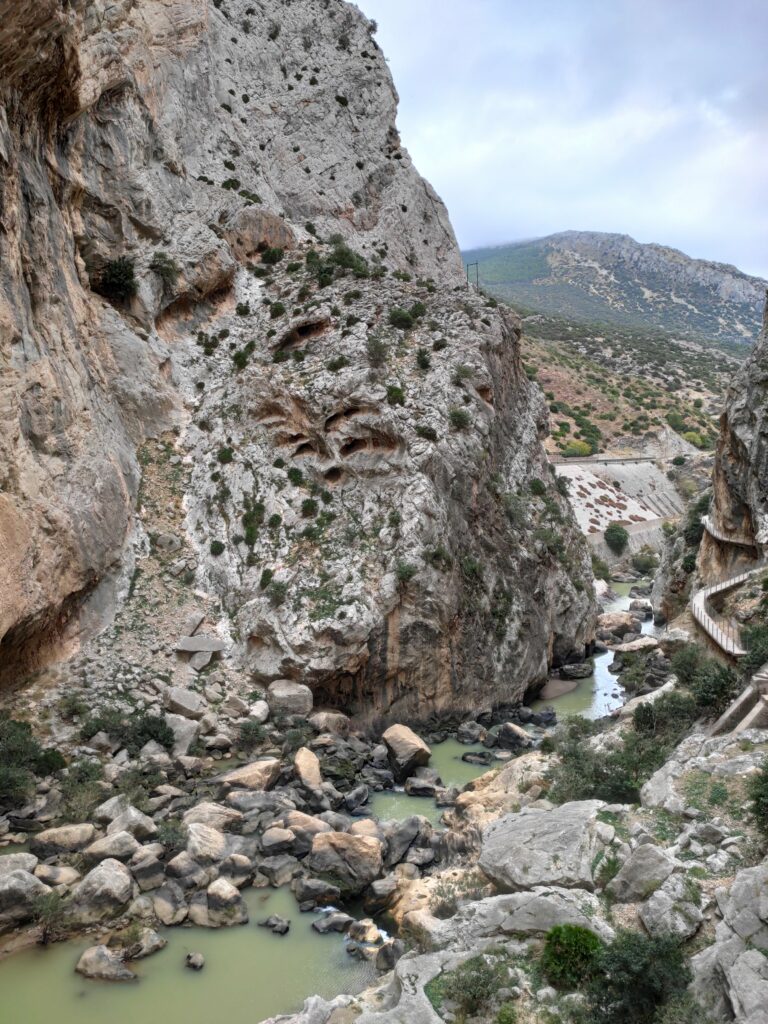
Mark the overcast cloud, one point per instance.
(648, 117)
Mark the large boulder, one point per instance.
(120, 845)
(17, 862)
(730, 977)
(206, 845)
(258, 775)
(641, 874)
(134, 821)
(185, 732)
(67, 839)
(103, 893)
(406, 751)
(18, 892)
(349, 862)
(288, 698)
(105, 964)
(514, 915)
(307, 767)
(544, 847)
(220, 906)
(674, 909)
(169, 904)
(186, 703)
(333, 722)
(213, 815)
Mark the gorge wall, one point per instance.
(740, 478)
(358, 429)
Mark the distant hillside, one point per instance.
(612, 279)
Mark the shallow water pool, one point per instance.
(249, 974)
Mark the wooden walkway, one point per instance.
(725, 633)
(739, 539)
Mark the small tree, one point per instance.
(117, 280)
(617, 538)
(166, 269)
(49, 913)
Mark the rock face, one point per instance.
(128, 130)
(730, 978)
(543, 847)
(740, 479)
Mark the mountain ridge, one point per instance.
(612, 278)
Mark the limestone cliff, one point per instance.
(360, 434)
(740, 479)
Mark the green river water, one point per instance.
(249, 974)
(599, 694)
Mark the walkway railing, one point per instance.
(740, 539)
(724, 632)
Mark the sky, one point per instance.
(645, 117)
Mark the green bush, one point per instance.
(49, 912)
(754, 639)
(537, 487)
(682, 1009)
(569, 955)
(634, 976)
(395, 395)
(474, 983)
(507, 1014)
(405, 571)
(376, 350)
(295, 476)
(600, 569)
(645, 562)
(459, 419)
(166, 269)
(225, 456)
(128, 728)
(276, 310)
(688, 563)
(679, 460)
(686, 662)
(428, 433)
(617, 538)
(401, 319)
(336, 364)
(251, 735)
(266, 578)
(577, 450)
(117, 280)
(714, 687)
(21, 760)
(309, 508)
(271, 256)
(423, 359)
(172, 834)
(666, 716)
(216, 548)
(757, 790)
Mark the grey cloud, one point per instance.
(644, 116)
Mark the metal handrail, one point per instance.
(727, 639)
(740, 539)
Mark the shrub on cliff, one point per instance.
(117, 281)
(569, 955)
(21, 759)
(166, 269)
(634, 976)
